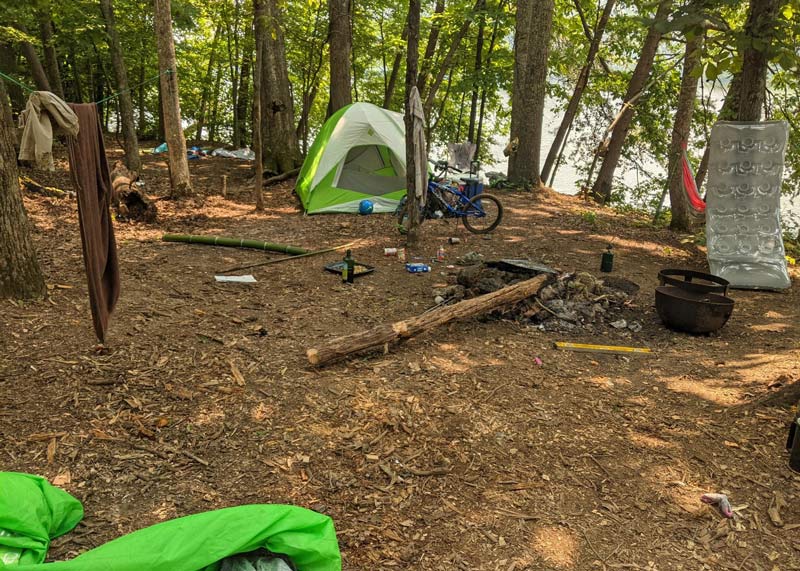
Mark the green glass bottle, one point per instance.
(349, 269)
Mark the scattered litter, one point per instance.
(538, 361)
(162, 148)
(390, 251)
(418, 268)
(720, 501)
(635, 326)
(358, 269)
(469, 258)
(440, 254)
(438, 300)
(619, 324)
(246, 279)
(454, 240)
(613, 349)
(245, 153)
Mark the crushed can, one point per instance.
(417, 268)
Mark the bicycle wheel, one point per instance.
(482, 214)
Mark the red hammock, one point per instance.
(689, 184)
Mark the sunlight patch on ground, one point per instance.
(209, 417)
(557, 546)
(717, 391)
(643, 440)
(770, 327)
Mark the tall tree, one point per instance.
(759, 32)
(412, 62)
(281, 151)
(173, 130)
(681, 210)
(49, 49)
(398, 59)
(130, 143)
(205, 93)
(580, 86)
(477, 78)
(20, 276)
(340, 39)
(35, 64)
(605, 178)
(259, 23)
(430, 46)
(531, 48)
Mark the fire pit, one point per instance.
(692, 311)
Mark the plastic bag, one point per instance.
(743, 212)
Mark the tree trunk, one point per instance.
(130, 143)
(489, 52)
(259, 23)
(37, 70)
(477, 78)
(340, 47)
(206, 91)
(728, 112)
(580, 86)
(242, 99)
(20, 276)
(77, 86)
(49, 49)
(532, 43)
(681, 209)
(430, 47)
(142, 121)
(176, 143)
(212, 126)
(447, 62)
(281, 151)
(8, 65)
(759, 30)
(412, 62)
(398, 59)
(602, 187)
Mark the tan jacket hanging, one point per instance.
(37, 128)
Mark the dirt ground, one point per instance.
(455, 450)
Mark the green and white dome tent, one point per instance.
(360, 153)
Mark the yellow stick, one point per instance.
(614, 349)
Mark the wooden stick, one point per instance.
(384, 334)
(281, 177)
(286, 259)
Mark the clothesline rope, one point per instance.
(112, 96)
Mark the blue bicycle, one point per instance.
(481, 213)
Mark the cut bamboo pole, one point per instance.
(233, 243)
(384, 334)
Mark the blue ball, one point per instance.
(365, 207)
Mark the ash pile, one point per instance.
(570, 301)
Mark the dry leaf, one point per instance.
(774, 510)
(62, 479)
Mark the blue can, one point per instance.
(418, 268)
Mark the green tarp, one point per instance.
(33, 512)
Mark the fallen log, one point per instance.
(383, 334)
(129, 200)
(32, 186)
(281, 177)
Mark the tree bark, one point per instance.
(447, 62)
(281, 151)
(759, 31)
(532, 43)
(602, 187)
(728, 112)
(8, 65)
(130, 201)
(489, 52)
(412, 62)
(340, 41)
(20, 276)
(77, 86)
(212, 125)
(681, 209)
(259, 23)
(430, 46)
(130, 142)
(577, 93)
(242, 98)
(382, 335)
(37, 70)
(49, 49)
(176, 143)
